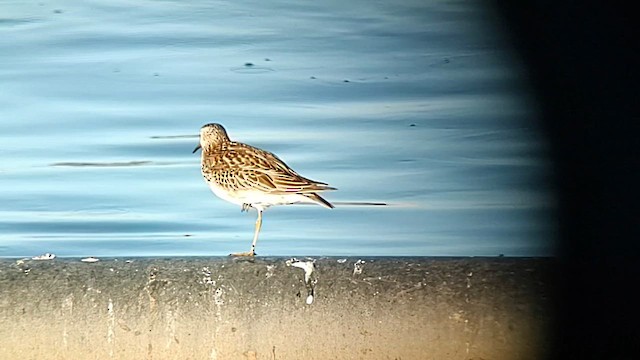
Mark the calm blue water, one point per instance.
(419, 104)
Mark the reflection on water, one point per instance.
(175, 137)
(98, 164)
(417, 105)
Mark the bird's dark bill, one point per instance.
(196, 149)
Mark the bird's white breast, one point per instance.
(255, 198)
(224, 194)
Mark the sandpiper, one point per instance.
(251, 177)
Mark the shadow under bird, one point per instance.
(252, 178)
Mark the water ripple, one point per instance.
(101, 164)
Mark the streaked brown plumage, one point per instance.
(251, 177)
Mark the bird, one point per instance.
(252, 178)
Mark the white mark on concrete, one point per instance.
(45, 256)
(358, 266)
(111, 319)
(206, 277)
(307, 266)
(458, 316)
(65, 336)
(90, 259)
(23, 266)
(217, 297)
(218, 301)
(270, 269)
(466, 295)
(67, 312)
(171, 325)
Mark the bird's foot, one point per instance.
(244, 254)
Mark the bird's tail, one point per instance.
(319, 200)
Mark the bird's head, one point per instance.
(212, 136)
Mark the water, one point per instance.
(418, 104)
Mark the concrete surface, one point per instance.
(221, 308)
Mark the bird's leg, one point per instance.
(252, 252)
(255, 235)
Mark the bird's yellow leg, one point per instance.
(252, 252)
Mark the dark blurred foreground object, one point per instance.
(580, 58)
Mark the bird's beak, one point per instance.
(196, 149)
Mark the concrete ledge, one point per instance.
(220, 308)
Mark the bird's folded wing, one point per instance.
(277, 181)
(256, 169)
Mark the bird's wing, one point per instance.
(256, 169)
